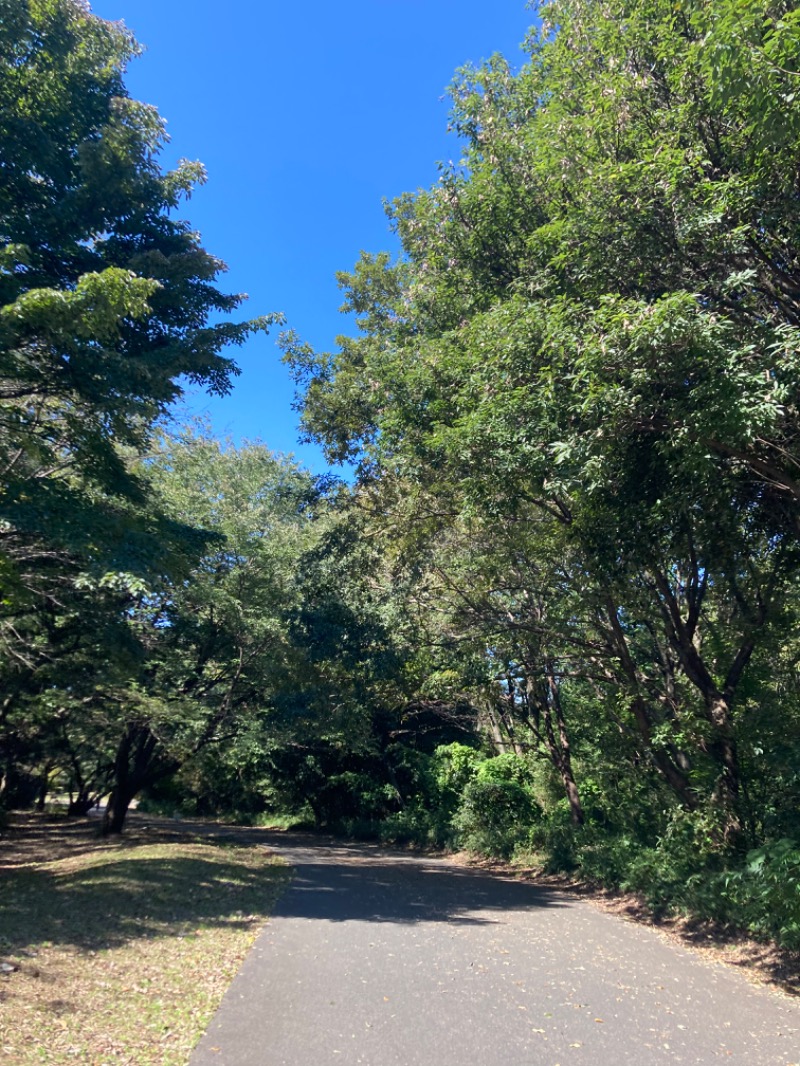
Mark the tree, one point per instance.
(104, 294)
(596, 317)
(106, 297)
(217, 656)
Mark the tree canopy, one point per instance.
(592, 335)
(108, 306)
(105, 293)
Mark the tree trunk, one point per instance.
(545, 703)
(80, 805)
(136, 765)
(724, 751)
(718, 704)
(124, 788)
(494, 729)
(564, 752)
(44, 788)
(675, 777)
(117, 810)
(573, 797)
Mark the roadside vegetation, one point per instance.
(552, 614)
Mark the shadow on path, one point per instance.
(338, 882)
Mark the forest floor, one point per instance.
(119, 951)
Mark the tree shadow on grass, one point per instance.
(32, 837)
(135, 893)
(93, 895)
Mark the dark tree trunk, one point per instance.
(80, 805)
(675, 777)
(136, 765)
(564, 751)
(724, 751)
(120, 799)
(544, 704)
(718, 702)
(574, 799)
(44, 788)
(117, 808)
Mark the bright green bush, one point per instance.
(454, 766)
(495, 816)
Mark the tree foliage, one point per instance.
(105, 294)
(580, 379)
(106, 301)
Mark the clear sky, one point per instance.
(307, 115)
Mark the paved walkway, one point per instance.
(394, 960)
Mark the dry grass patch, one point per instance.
(122, 950)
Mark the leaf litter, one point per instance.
(118, 952)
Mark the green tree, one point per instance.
(105, 294)
(367, 707)
(596, 317)
(216, 652)
(106, 301)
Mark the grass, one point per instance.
(122, 950)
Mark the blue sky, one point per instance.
(306, 115)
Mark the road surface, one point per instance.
(389, 959)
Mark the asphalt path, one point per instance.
(390, 959)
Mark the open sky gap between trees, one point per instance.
(554, 611)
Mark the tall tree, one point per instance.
(217, 655)
(105, 294)
(596, 316)
(106, 297)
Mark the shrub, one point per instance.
(763, 896)
(495, 816)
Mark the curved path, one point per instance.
(389, 959)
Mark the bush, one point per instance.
(554, 839)
(353, 795)
(416, 825)
(495, 816)
(454, 766)
(762, 897)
